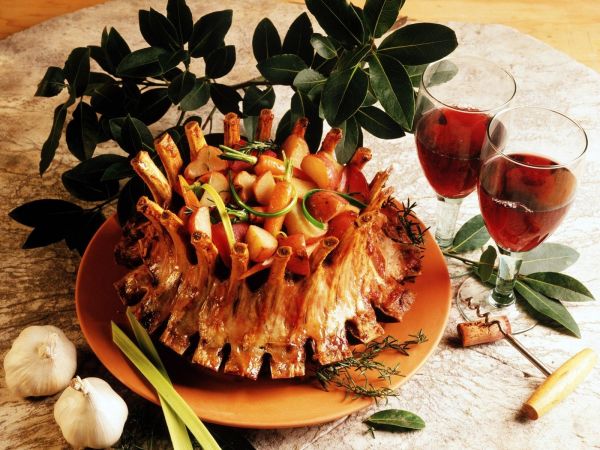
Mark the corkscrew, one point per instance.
(558, 384)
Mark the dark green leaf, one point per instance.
(84, 180)
(115, 127)
(352, 138)
(370, 99)
(256, 99)
(552, 309)
(393, 88)
(169, 61)
(558, 286)
(378, 123)
(548, 257)
(343, 94)
(419, 43)
(395, 420)
(108, 99)
(209, 32)
(77, 70)
(118, 170)
(97, 80)
(350, 58)
(83, 132)
(315, 95)
(98, 54)
(250, 124)
(153, 104)
(171, 74)
(339, 20)
(225, 98)
(115, 48)
(471, 236)
(128, 198)
(52, 83)
(220, 61)
(297, 39)
(380, 15)
(83, 230)
(307, 79)
(135, 136)
(181, 86)
(197, 97)
(486, 264)
(51, 143)
(38, 212)
(143, 63)
(157, 30)
(302, 106)
(415, 73)
(284, 128)
(323, 46)
(281, 69)
(265, 41)
(324, 66)
(52, 231)
(180, 15)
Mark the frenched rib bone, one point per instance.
(177, 284)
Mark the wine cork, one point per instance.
(480, 332)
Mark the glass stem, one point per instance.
(503, 294)
(447, 213)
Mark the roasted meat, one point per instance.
(180, 286)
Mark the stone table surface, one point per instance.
(468, 398)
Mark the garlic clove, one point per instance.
(90, 413)
(41, 361)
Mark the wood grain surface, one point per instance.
(572, 27)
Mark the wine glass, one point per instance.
(530, 163)
(457, 98)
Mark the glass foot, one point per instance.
(474, 293)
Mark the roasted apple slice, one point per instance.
(263, 188)
(295, 222)
(221, 185)
(261, 243)
(295, 147)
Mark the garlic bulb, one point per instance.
(90, 414)
(41, 361)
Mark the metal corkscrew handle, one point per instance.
(558, 384)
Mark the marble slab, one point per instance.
(468, 398)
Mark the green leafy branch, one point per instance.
(540, 286)
(342, 77)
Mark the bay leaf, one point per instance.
(558, 286)
(395, 420)
(548, 257)
(486, 264)
(553, 309)
(471, 236)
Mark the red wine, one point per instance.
(523, 205)
(449, 144)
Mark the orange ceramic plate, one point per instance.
(239, 402)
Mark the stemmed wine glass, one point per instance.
(457, 98)
(530, 164)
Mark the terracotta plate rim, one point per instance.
(140, 387)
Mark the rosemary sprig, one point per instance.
(413, 228)
(408, 221)
(259, 146)
(352, 374)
